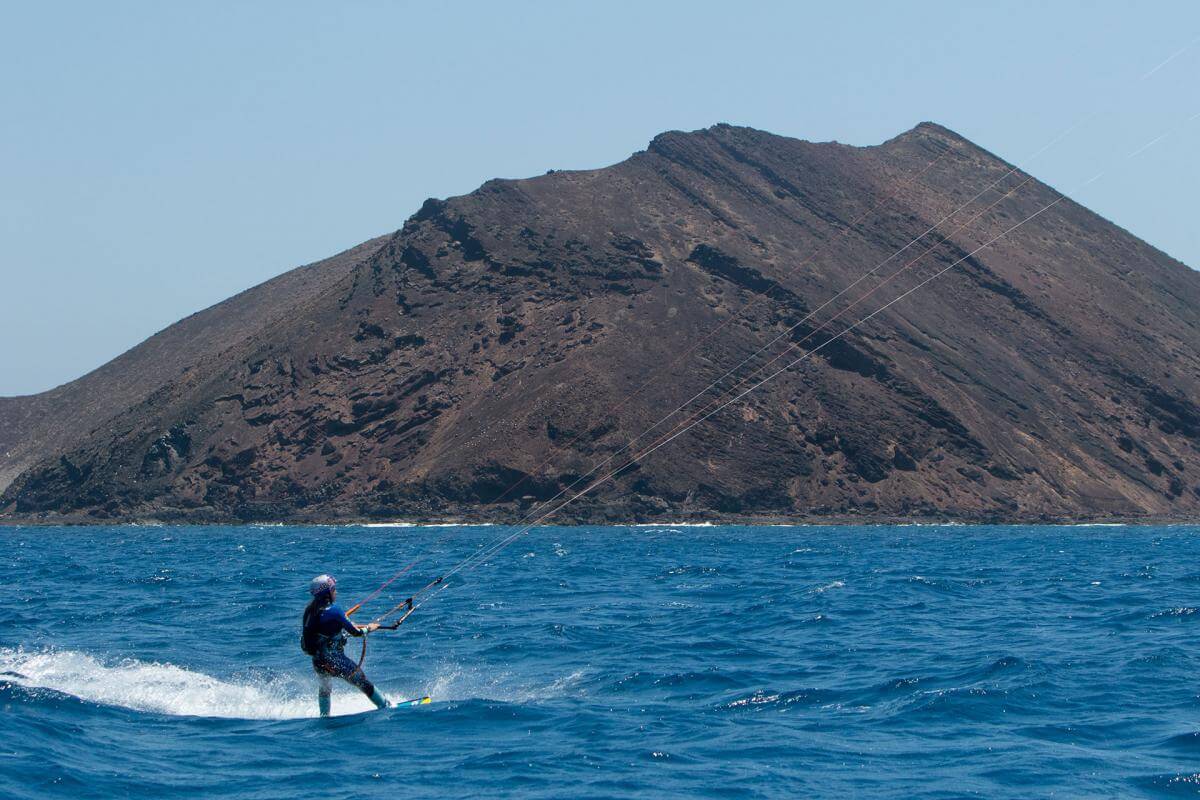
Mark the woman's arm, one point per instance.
(355, 630)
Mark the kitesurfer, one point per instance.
(324, 638)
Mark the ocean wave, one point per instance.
(1189, 742)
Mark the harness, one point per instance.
(315, 643)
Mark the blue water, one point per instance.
(609, 662)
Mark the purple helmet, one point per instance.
(321, 584)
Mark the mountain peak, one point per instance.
(725, 131)
(501, 344)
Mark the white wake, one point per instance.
(169, 689)
(164, 688)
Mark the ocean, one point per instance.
(608, 662)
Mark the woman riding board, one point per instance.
(324, 638)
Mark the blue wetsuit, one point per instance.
(327, 630)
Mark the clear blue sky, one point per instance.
(156, 158)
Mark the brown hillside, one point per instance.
(1051, 376)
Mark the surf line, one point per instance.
(477, 557)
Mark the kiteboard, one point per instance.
(420, 701)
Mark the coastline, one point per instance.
(696, 521)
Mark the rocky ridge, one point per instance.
(498, 346)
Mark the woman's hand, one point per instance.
(369, 627)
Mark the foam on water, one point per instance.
(164, 688)
(453, 681)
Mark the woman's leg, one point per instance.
(324, 693)
(341, 666)
(359, 679)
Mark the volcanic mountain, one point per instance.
(497, 348)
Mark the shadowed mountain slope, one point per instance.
(34, 426)
(498, 336)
